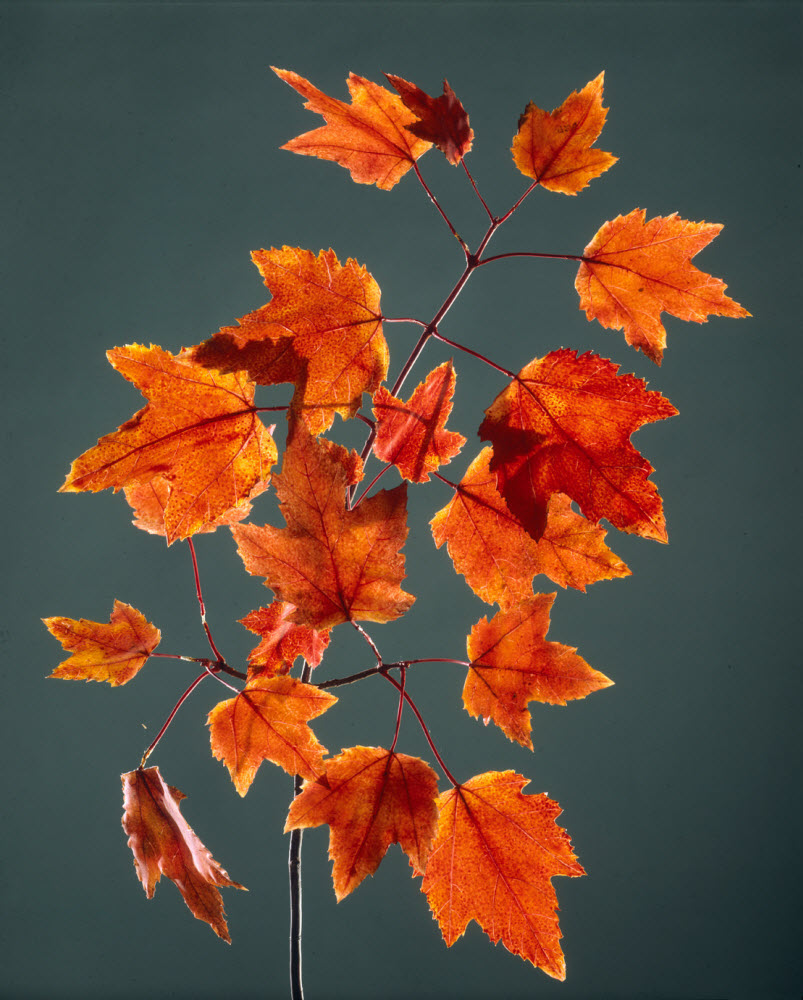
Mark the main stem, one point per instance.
(294, 864)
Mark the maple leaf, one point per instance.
(282, 641)
(268, 721)
(115, 652)
(165, 844)
(554, 148)
(633, 270)
(150, 500)
(513, 664)
(199, 432)
(334, 564)
(492, 861)
(412, 435)
(563, 425)
(499, 559)
(370, 798)
(442, 120)
(369, 136)
(322, 330)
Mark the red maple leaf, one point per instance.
(442, 120)
(563, 425)
(499, 558)
(412, 435)
(282, 641)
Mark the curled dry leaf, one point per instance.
(555, 147)
(512, 664)
(369, 136)
(199, 432)
(370, 798)
(164, 843)
(633, 270)
(495, 853)
(563, 425)
(113, 652)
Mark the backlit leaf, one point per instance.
(282, 641)
(268, 721)
(322, 331)
(555, 148)
(512, 663)
(370, 798)
(369, 136)
(199, 432)
(633, 270)
(495, 853)
(563, 425)
(442, 120)
(499, 559)
(115, 652)
(413, 435)
(334, 564)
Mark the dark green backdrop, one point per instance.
(142, 165)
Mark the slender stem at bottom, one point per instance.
(294, 864)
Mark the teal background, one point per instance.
(142, 165)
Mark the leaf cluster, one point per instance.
(558, 461)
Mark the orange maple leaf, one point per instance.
(268, 721)
(512, 663)
(370, 798)
(369, 136)
(199, 432)
(165, 844)
(494, 855)
(322, 330)
(442, 120)
(554, 148)
(563, 425)
(150, 500)
(115, 652)
(334, 564)
(499, 559)
(282, 641)
(633, 270)
(412, 435)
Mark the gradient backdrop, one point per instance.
(142, 167)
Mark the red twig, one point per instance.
(423, 725)
(214, 648)
(170, 717)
